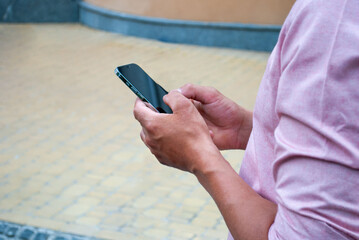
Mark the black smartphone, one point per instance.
(143, 86)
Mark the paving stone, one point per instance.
(60, 238)
(157, 233)
(11, 232)
(41, 236)
(90, 221)
(26, 234)
(77, 238)
(2, 228)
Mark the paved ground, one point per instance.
(71, 158)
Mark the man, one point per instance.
(299, 178)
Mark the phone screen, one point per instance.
(143, 86)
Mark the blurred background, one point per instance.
(72, 165)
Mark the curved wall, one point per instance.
(242, 24)
(244, 11)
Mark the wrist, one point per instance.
(211, 163)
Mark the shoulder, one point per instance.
(314, 29)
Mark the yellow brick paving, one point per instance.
(70, 154)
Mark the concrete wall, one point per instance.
(39, 11)
(219, 34)
(243, 11)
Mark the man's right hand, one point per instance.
(230, 124)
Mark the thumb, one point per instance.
(141, 112)
(202, 94)
(176, 101)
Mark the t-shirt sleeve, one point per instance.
(316, 167)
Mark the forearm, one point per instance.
(247, 214)
(245, 129)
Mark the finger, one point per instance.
(142, 112)
(176, 101)
(202, 94)
(198, 105)
(150, 106)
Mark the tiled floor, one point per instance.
(70, 154)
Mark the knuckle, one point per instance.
(212, 89)
(214, 92)
(151, 143)
(154, 152)
(151, 127)
(162, 161)
(188, 85)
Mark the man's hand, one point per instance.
(182, 139)
(230, 124)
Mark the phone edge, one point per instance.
(133, 88)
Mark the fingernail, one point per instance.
(179, 90)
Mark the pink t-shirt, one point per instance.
(303, 153)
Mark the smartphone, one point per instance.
(143, 86)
